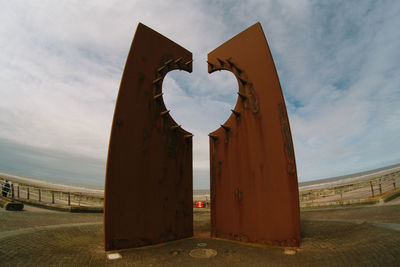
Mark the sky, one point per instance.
(61, 63)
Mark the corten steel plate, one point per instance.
(148, 190)
(254, 190)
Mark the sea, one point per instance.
(200, 193)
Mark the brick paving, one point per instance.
(49, 238)
(377, 213)
(31, 216)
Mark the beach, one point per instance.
(364, 186)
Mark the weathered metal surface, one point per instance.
(148, 190)
(254, 190)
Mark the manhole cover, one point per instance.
(203, 253)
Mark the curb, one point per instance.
(64, 208)
(391, 195)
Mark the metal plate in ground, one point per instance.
(203, 253)
(114, 256)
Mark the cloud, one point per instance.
(337, 62)
(55, 165)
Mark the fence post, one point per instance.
(40, 196)
(52, 197)
(27, 193)
(12, 192)
(69, 199)
(380, 189)
(372, 189)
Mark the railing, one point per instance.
(362, 189)
(29, 193)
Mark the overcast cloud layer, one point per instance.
(61, 63)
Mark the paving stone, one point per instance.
(33, 238)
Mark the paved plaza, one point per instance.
(357, 236)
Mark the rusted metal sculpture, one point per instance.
(254, 190)
(148, 191)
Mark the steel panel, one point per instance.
(148, 190)
(254, 189)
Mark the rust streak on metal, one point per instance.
(253, 179)
(148, 189)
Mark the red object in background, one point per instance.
(199, 204)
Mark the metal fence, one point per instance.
(29, 193)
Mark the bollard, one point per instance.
(27, 193)
(39, 195)
(380, 189)
(69, 199)
(52, 197)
